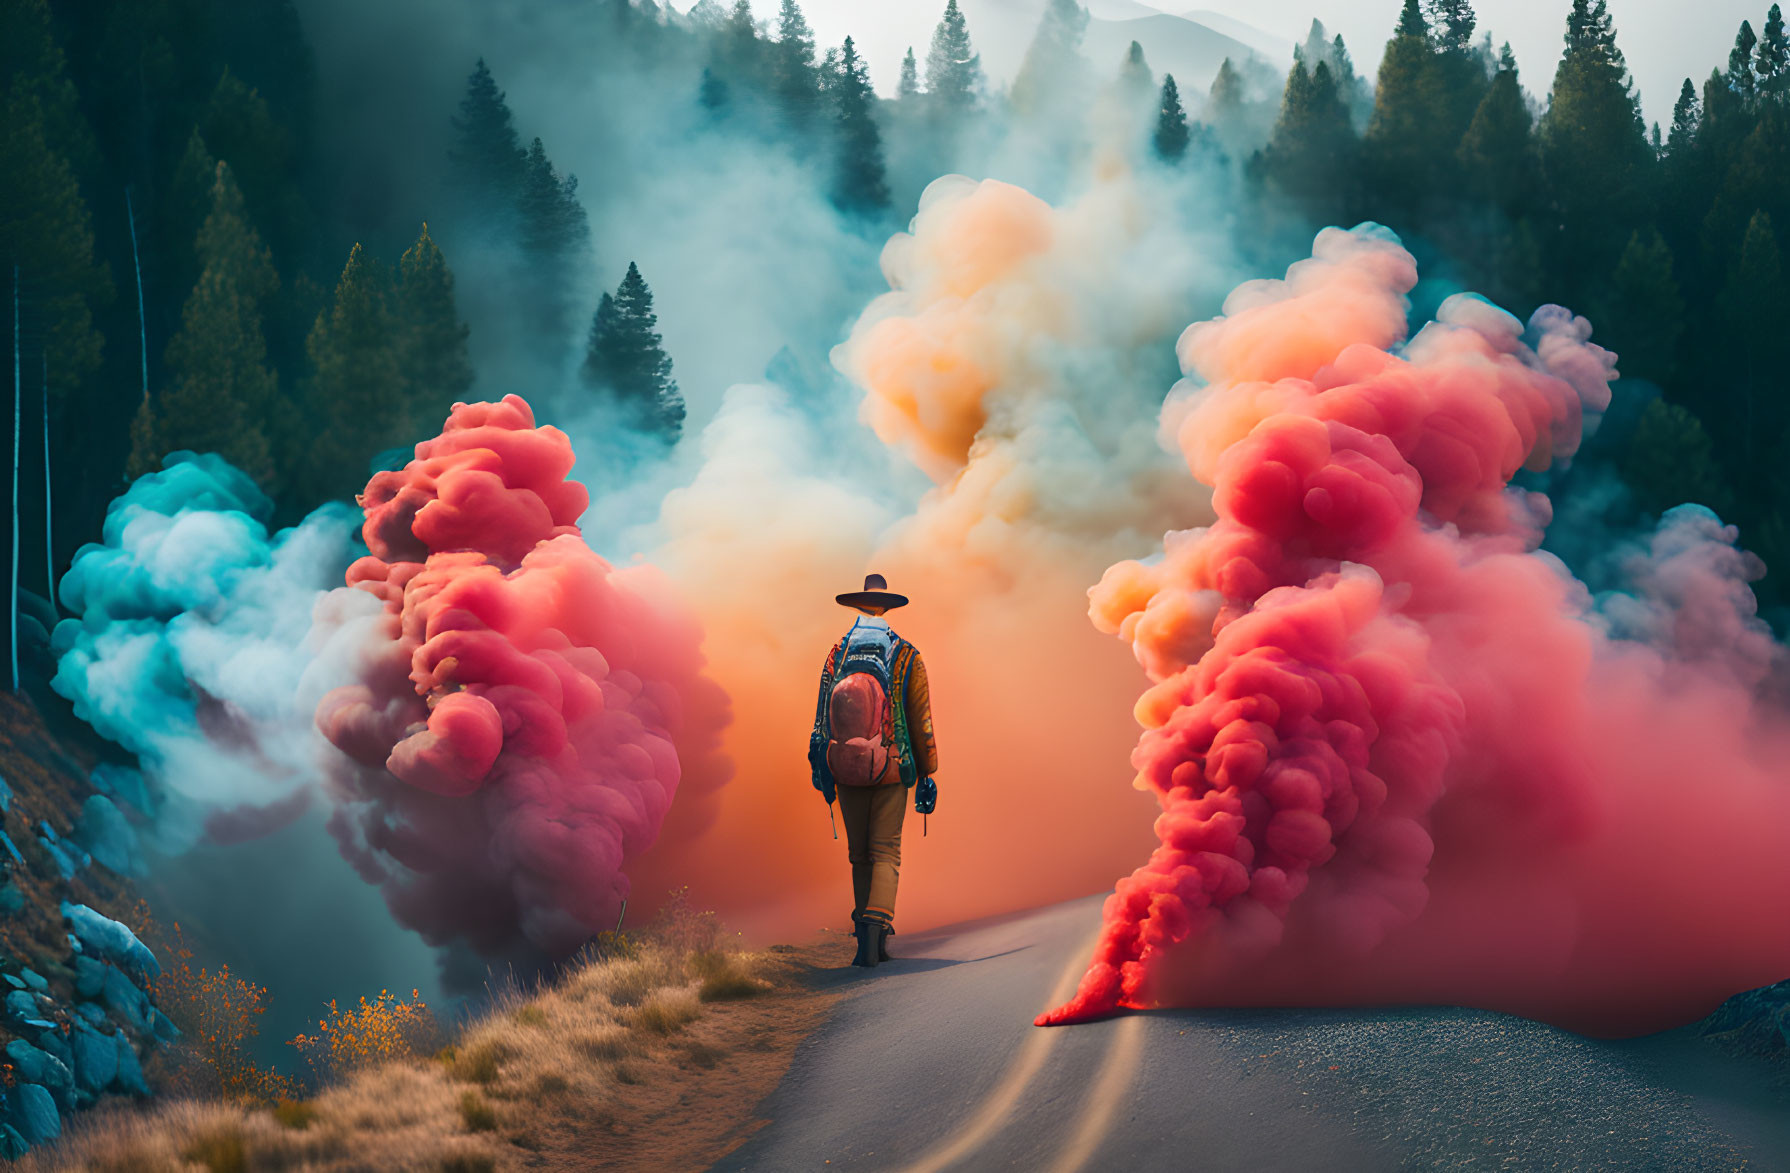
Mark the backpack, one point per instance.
(863, 722)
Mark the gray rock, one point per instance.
(68, 856)
(130, 1072)
(13, 980)
(125, 784)
(96, 1058)
(21, 1007)
(126, 1002)
(35, 1065)
(12, 848)
(33, 1113)
(11, 899)
(93, 1014)
(90, 976)
(108, 837)
(34, 979)
(56, 1043)
(12, 1145)
(164, 1028)
(105, 938)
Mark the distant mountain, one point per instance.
(1002, 29)
(1172, 44)
(1118, 9)
(1273, 46)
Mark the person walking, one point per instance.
(872, 743)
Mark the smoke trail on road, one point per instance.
(1399, 754)
(526, 712)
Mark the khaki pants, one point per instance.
(873, 816)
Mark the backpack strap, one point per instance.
(903, 657)
(817, 739)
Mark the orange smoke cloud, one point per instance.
(1015, 360)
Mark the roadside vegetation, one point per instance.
(545, 1078)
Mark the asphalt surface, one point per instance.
(932, 1064)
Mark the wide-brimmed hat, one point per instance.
(876, 593)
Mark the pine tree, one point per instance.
(740, 54)
(1308, 158)
(1354, 89)
(1497, 154)
(1411, 21)
(1316, 47)
(1051, 75)
(859, 184)
(1642, 313)
(486, 160)
(1136, 83)
(953, 67)
(1670, 461)
(1773, 55)
(238, 127)
(1451, 24)
(45, 232)
(350, 400)
(796, 79)
(555, 239)
(34, 67)
(1753, 307)
(1172, 135)
(829, 77)
(1685, 191)
(711, 93)
(1687, 112)
(1399, 148)
(1227, 108)
(1593, 150)
(626, 363)
(909, 88)
(221, 391)
(1741, 78)
(429, 336)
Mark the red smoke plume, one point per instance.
(1396, 759)
(527, 712)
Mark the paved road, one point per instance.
(932, 1064)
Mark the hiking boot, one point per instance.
(870, 936)
(882, 942)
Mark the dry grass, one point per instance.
(725, 976)
(478, 1115)
(477, 1063)
(400, 1117)
(667, 1012)
(295, 1113)
(604, 1057)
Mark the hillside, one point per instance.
(80, 1019)
(654, 1056)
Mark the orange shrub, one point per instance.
(380, 1031)
(219, 1016)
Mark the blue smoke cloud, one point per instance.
(193, 647)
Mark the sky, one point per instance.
(1665, 41)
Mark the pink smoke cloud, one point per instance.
(1398, 756)
(526, 712)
